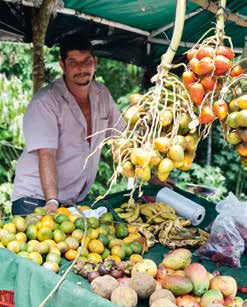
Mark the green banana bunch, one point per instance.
(130, 212)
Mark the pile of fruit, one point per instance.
(192, 284)
(45, 238)
(160, 220)
(175, 282)
(109, 266)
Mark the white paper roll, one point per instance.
(183, 206)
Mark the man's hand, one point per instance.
(51, 205)
(51, 208)
(168, 183)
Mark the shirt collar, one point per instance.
(94, 89)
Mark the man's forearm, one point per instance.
(167, 183)
(48, 172)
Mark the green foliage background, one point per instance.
(224, 173)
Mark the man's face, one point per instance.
(79, 67)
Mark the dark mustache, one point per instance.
(82, 74)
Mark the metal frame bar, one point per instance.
(150, 35)
(171, 24)
(183, 44)
(95, 19)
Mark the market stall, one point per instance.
(21, 275)
(163, 128)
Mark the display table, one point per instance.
(31, 282)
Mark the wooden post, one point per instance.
(40, 24)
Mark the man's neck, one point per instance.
(79, 92)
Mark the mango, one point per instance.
(226, 284)
(199, 278)
(215, 305)
(179, 273)
(187, 301)
(178, 259)
(178, 285)
(233, 302)
(211, 276)
(163, 271)
(212, 297)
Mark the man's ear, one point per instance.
(95, 60)
(62, 65)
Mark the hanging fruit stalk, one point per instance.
(235, 122)
(161, 127)
(210, 66)
(217, 86)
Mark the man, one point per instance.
(57, 125)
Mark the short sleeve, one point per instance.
(115, 119)
(40, 124)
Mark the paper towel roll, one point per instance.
(183, 206)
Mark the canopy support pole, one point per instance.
(39, 26)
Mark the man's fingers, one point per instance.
(51, 208)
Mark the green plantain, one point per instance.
(126, 215)
(135, 216)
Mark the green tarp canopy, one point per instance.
(134, 38)
(32, 283)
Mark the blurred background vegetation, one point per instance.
(216, 165)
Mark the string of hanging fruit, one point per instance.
(161, 126)
(216, 85)
(164, 126)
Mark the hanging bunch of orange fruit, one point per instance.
(217, 88)
(205, 78)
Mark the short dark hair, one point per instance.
(74, 42)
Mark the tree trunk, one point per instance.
(40, 24)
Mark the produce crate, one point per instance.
(6, 298)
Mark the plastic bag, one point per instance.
(231, 206)
(228, 236)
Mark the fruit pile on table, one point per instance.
(175, 282)
(45, 238)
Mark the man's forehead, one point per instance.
(78, 54)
